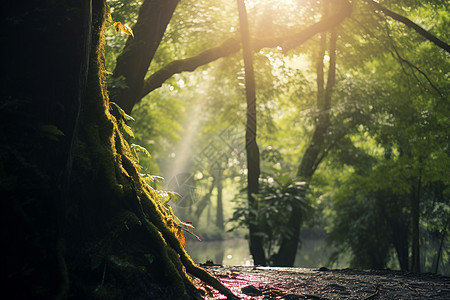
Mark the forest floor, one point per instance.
(300, 283)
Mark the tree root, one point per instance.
(144, 211)
(146, 207)
(210, 280)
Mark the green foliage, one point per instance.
(389, 118)
(121, 118)
(125, 12)
(362, 225)
(137, 148)
(276, 199)
(389, 130)
(153, 181)
(157, 126)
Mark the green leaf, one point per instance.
(119, 113)
(127, 129)
(141, 149)
(50, 131)
(151, 178)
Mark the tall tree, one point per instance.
(251, 145)
(315, 151)
(79, 220)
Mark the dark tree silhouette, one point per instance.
(77, 218)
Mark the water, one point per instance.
(235, 252)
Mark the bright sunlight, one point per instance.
(274, 4)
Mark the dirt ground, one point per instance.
(299, 283)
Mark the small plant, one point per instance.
(122, 118)
(277, 197)
(177, 226)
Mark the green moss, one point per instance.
(171, 274)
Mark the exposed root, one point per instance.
(152, 216)
(210, 280)
(182, 257)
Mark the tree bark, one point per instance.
(415, 237)
(133, 63)
(251, 146)
(219, 208)
(39, 110)
(441, 244)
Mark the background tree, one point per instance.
(251, 145)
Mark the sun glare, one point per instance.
(253, 3)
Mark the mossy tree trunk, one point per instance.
(77, 219)
(45, 50)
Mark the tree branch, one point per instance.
(413, 67)
(189, 64)
(232, 45)
(411, 24)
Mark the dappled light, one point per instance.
(246, 149)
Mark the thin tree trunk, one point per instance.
(415, 212)
(400, 241)
(391, 211)
(441, 244)
(219, 210)
(311, 159)
(256, 247)
(202, 204)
